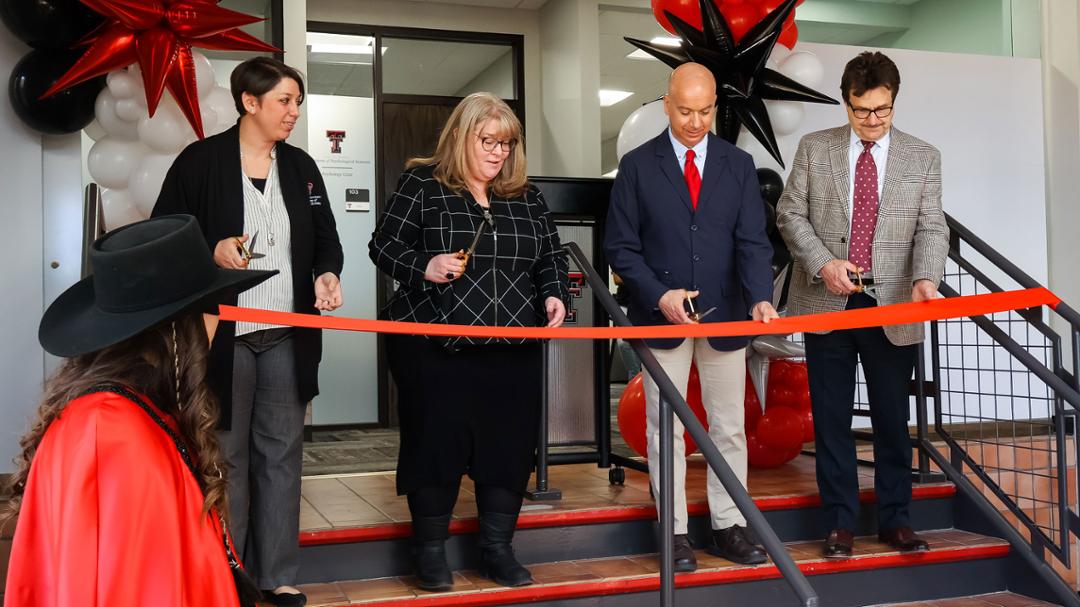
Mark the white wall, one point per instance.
(404, 13)
(21, 359)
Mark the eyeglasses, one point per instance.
(863, 113)
(489, 144)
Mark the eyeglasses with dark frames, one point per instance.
(863, 113)
(489, 143)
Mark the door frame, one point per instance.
(516, 42)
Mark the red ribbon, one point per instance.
(896, 314)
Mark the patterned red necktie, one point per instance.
(693, 178)
(864, 210)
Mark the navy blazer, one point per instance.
(655, 240)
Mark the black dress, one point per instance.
(467, 405)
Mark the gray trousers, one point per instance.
(264, 451)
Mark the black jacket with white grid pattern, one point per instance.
(514, 269)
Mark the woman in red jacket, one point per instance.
(120, 494)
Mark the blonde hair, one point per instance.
(452, 153)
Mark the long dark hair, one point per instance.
(145, 363)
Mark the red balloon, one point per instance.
(781, 429)
(759, 455)
(807, 426)
(789, 36)
(802, 400)
(779, 395)
(797, 377)
(632, 415)
(740, 18)
(751, 406)
(687, 10)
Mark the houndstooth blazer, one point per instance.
(911, 240)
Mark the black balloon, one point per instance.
(48, 23)
(65, 112)
(771, 187)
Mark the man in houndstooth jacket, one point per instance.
(861, 214)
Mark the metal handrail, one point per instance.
(1011, 270)
(672, 402)
(1063, 385)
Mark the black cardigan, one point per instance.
(206, 181)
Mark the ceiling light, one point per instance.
(609, 97)
(641, 55)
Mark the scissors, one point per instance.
(464, 255)
(694, 314)
(863, 288)
(248, 252)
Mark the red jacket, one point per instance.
(112, 516)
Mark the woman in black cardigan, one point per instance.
(469, 405)
(262, 204)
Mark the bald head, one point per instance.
(689, 77)
(690, 103)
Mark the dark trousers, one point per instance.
(264, 452)
(831, 363)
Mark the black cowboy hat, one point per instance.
(143, 273)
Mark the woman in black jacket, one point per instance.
(469, 405)
(262, 204)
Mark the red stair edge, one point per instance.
(529, 520)
(688, 580)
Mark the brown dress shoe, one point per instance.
(903, 539)
(838, 544)
(683, 555)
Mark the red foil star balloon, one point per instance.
(158, 35)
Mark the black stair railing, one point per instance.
(1005, 408)
(672, 403)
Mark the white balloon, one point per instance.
(95, 131)
(221, 101)
(762, 158)
(803, 67)
(119, 209)
(778, 54)
(167, 131)
(204, 74)
(785, 116)
(129, 110)
(140, 88)
(209, 120)
(116, 127)
(643, 124)
(111, 161)
(123, 85)
(147, 178)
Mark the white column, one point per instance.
(1061, 95)
(570, 79)
(294, 28)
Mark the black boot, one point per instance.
(497, 560)
(428, 550)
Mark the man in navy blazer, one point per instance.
(686, 221)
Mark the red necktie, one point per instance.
(864, 210)
(693, 178)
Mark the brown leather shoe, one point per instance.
(838, 544)
(904, 540)
(683, 555)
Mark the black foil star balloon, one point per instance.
(742, 80)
